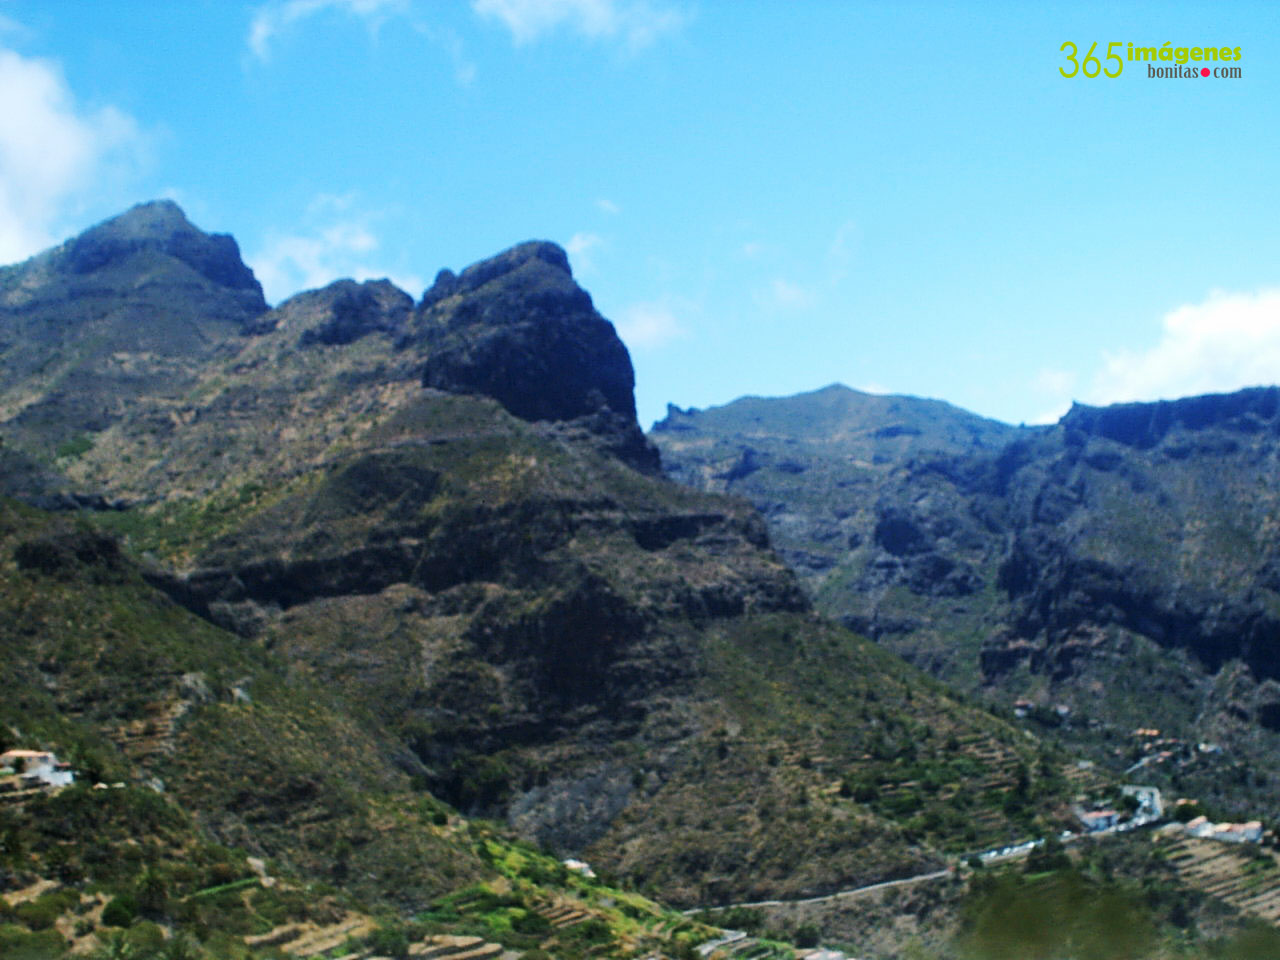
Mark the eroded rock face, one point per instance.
(1144, 425)
(518, 328)
(350, 310)
(1124, 560)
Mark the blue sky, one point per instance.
(765, 197)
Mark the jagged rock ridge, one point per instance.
(525, 334)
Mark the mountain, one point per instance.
(813, 463)
(1115, 571)
(115, 314)
(423, 559)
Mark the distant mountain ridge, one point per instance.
(821, 456)
(1120, 563)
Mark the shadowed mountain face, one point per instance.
(1121, 564)
(518, 329)
(446, 514)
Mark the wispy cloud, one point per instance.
(464, 69)
(579, 249)
(273, 19)
(634, 23)
(1053, 390)
(55, 156)
(1229, 341)
(788, 296)
(608, 206)
(276, 18)
(335, 240)
(648, 326)
(9, 25)
(843, 250)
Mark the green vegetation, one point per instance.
(537, 904)
(77, 446)
(898, 743)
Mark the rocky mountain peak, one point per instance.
(534, 256)
(518, 328)
(154, 220)
(345, 311)
(160, 227)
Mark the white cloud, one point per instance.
(636, 23)
(335, 242)
(271, 20)
(788, 295)
(55, 156)
(608, 206)
(1056, 387)
(579, 249)
(1227, 342)
(1055, 382)
(842, 251)
(647, 326)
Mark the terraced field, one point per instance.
(1244, 876)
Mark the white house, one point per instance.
(1199, 827)
(38, 766)
(1250, 832)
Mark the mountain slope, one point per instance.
(117, 313)
(129, 686)
(384, 495)
(1119, 565)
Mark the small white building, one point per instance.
(1199, 827)
(1250, 832)
(38, 766)
(579, 866)
(1096, 820)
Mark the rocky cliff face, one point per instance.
(1120, 564)
(517, 328)
(160, 230)
(1147, 425)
